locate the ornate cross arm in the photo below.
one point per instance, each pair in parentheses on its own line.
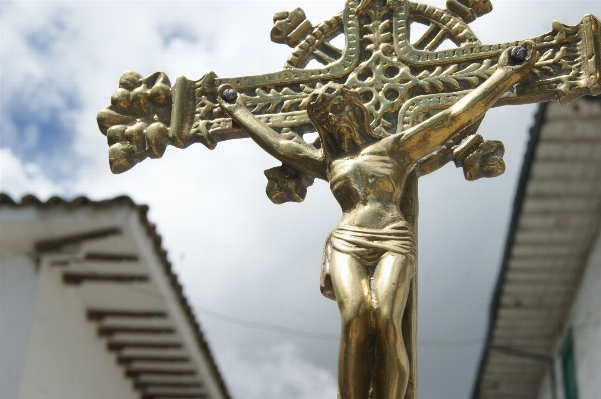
(146,115)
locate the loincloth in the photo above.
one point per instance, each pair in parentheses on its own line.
(367,246)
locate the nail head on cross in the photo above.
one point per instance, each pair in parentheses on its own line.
(229,95)
(519,54)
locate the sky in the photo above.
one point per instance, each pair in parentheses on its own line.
(251,268)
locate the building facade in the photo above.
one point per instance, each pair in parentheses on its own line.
(90,308)
(544,337)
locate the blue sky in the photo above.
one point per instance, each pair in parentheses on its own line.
(235,252)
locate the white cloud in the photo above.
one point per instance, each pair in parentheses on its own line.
(19,178)
(287,375)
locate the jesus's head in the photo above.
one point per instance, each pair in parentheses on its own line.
(340,119)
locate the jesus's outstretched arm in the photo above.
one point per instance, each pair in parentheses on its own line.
(303,157)
(429,135)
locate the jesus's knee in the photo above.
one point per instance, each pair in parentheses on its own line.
(387,320)
(355,317)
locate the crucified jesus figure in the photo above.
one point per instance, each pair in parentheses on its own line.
(369,258)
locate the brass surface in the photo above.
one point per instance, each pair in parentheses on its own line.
(387,110)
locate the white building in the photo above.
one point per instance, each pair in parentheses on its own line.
(89,307)
(544,338)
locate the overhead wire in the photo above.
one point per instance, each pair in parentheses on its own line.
(319,336)
(286,330)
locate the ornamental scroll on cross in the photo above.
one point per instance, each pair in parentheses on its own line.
(398,82)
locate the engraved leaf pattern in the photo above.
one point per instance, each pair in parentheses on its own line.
(264,102)
(451,77)
(558,58)
(379,36)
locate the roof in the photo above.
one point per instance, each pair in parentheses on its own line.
(123,251)
(556,218)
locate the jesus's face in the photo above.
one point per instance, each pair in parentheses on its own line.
(338,117)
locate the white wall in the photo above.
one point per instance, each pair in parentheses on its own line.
(65,358)
(17,294)
(585,321)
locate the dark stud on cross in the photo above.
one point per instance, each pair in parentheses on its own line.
(519,54)
(229,95)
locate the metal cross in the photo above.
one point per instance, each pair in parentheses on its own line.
(401,81)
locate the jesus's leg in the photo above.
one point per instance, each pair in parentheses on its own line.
(391,289)
(351,285)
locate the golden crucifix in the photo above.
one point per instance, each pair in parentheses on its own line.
(387,110)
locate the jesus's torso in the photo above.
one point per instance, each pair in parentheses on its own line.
(368,188)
